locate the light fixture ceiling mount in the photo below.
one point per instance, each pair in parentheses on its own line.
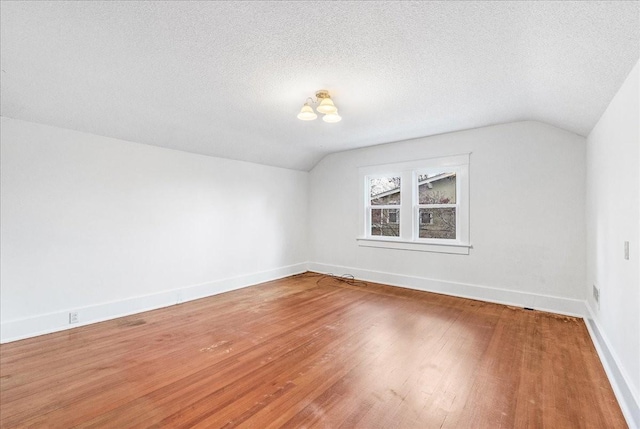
(325,106)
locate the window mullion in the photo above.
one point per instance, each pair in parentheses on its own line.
(406,203)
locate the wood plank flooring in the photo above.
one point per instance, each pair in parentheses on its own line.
(312,352)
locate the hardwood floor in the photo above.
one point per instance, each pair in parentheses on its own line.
(308,351)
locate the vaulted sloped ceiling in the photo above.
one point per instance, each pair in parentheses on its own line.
(228,78)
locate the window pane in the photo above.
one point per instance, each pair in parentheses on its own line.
(384,222)
(437,223)
(437,188)
(384,191)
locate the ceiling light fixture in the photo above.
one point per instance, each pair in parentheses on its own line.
(325,106)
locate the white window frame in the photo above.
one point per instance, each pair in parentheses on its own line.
(369,207)
(409,221)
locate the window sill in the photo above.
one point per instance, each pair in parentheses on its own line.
(390,243)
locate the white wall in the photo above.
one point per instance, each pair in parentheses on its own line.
(107,227)
(527,217)
(613,217)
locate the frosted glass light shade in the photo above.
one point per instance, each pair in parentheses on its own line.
(307,113)
(332,117)
(327,107)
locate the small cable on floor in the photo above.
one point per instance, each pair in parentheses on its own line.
(344,278)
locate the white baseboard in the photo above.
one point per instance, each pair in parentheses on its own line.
(618,377)
(14,330)
(554,304)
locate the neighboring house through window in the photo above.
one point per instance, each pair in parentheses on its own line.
(437,205)
(417,205)
(383,207)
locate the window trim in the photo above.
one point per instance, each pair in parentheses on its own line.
(409,221)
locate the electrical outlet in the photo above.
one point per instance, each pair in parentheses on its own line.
(73,317)
(596,295)
(626,250)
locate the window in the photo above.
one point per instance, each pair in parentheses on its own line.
(384,200)
(436,195)
(417,205)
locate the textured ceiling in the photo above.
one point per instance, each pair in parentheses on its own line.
(228,78)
